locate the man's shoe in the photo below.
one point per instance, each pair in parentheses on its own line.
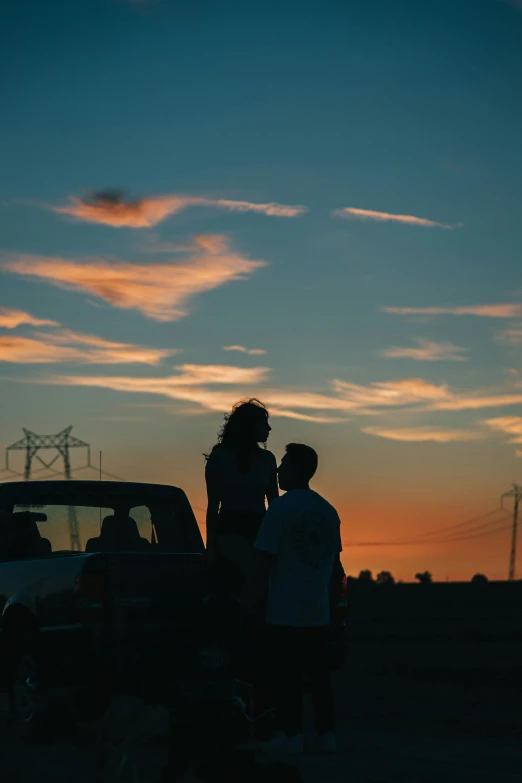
(282,743)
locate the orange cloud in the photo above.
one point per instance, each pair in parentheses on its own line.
(192,382)
(65,346)
(287,399)
(418,395)
(475,401)
(218,373)
(424,434)
(413,395)
(158,291)
(484,311)
(110,208)
(288,414)
(428,352)
(410,220)
(395,394)
(242,349)
(189,375)
(510,425)
(10,319)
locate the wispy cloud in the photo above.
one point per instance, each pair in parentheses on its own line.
(10,319)
(218,387)
(428,352)
(242,349)
(513,336)
(391,394)
(384,217)
(271,208)
(111,208)
(201,374)
(193,382)
(424,434)
(159,291)
(484,311)
(475,401)
(509,425)
(73,347)
(418,395)
(188,375)
(196,384)
(315,419)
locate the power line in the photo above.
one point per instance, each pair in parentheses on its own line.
(19,475)
(103,472)
(475,535)
(475,531)
(469,521)
(476,528)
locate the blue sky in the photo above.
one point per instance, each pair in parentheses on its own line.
(405,108)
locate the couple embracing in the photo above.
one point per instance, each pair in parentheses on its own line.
(295,544)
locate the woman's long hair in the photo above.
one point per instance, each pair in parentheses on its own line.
(238,432)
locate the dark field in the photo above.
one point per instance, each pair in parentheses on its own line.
(430,693)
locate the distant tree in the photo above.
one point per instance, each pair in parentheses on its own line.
(365,575)
(479,579)
(385,578)
(424,578)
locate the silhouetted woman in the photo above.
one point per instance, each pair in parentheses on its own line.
(241,477)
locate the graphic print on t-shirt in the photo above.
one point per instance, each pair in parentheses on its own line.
(312,539)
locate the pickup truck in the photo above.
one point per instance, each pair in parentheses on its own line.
(104,587)
(102,584)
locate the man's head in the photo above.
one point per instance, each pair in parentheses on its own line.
(297,467)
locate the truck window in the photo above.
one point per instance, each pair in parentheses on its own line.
(86,520)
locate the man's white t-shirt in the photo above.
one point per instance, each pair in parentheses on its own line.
(303,530)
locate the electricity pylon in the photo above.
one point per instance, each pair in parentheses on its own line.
(62,442)
(516,494)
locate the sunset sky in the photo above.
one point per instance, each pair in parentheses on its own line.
(318,204)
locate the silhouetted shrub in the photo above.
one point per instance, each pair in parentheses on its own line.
(385,578)
(424,578)
(479,579)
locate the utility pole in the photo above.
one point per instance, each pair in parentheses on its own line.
(516,494)
(62,442)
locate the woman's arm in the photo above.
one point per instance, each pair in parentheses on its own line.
(273,487)
(213,501)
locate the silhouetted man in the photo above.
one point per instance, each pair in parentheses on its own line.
(299,542)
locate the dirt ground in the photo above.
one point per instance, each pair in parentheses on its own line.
(415,723)
(365,756)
